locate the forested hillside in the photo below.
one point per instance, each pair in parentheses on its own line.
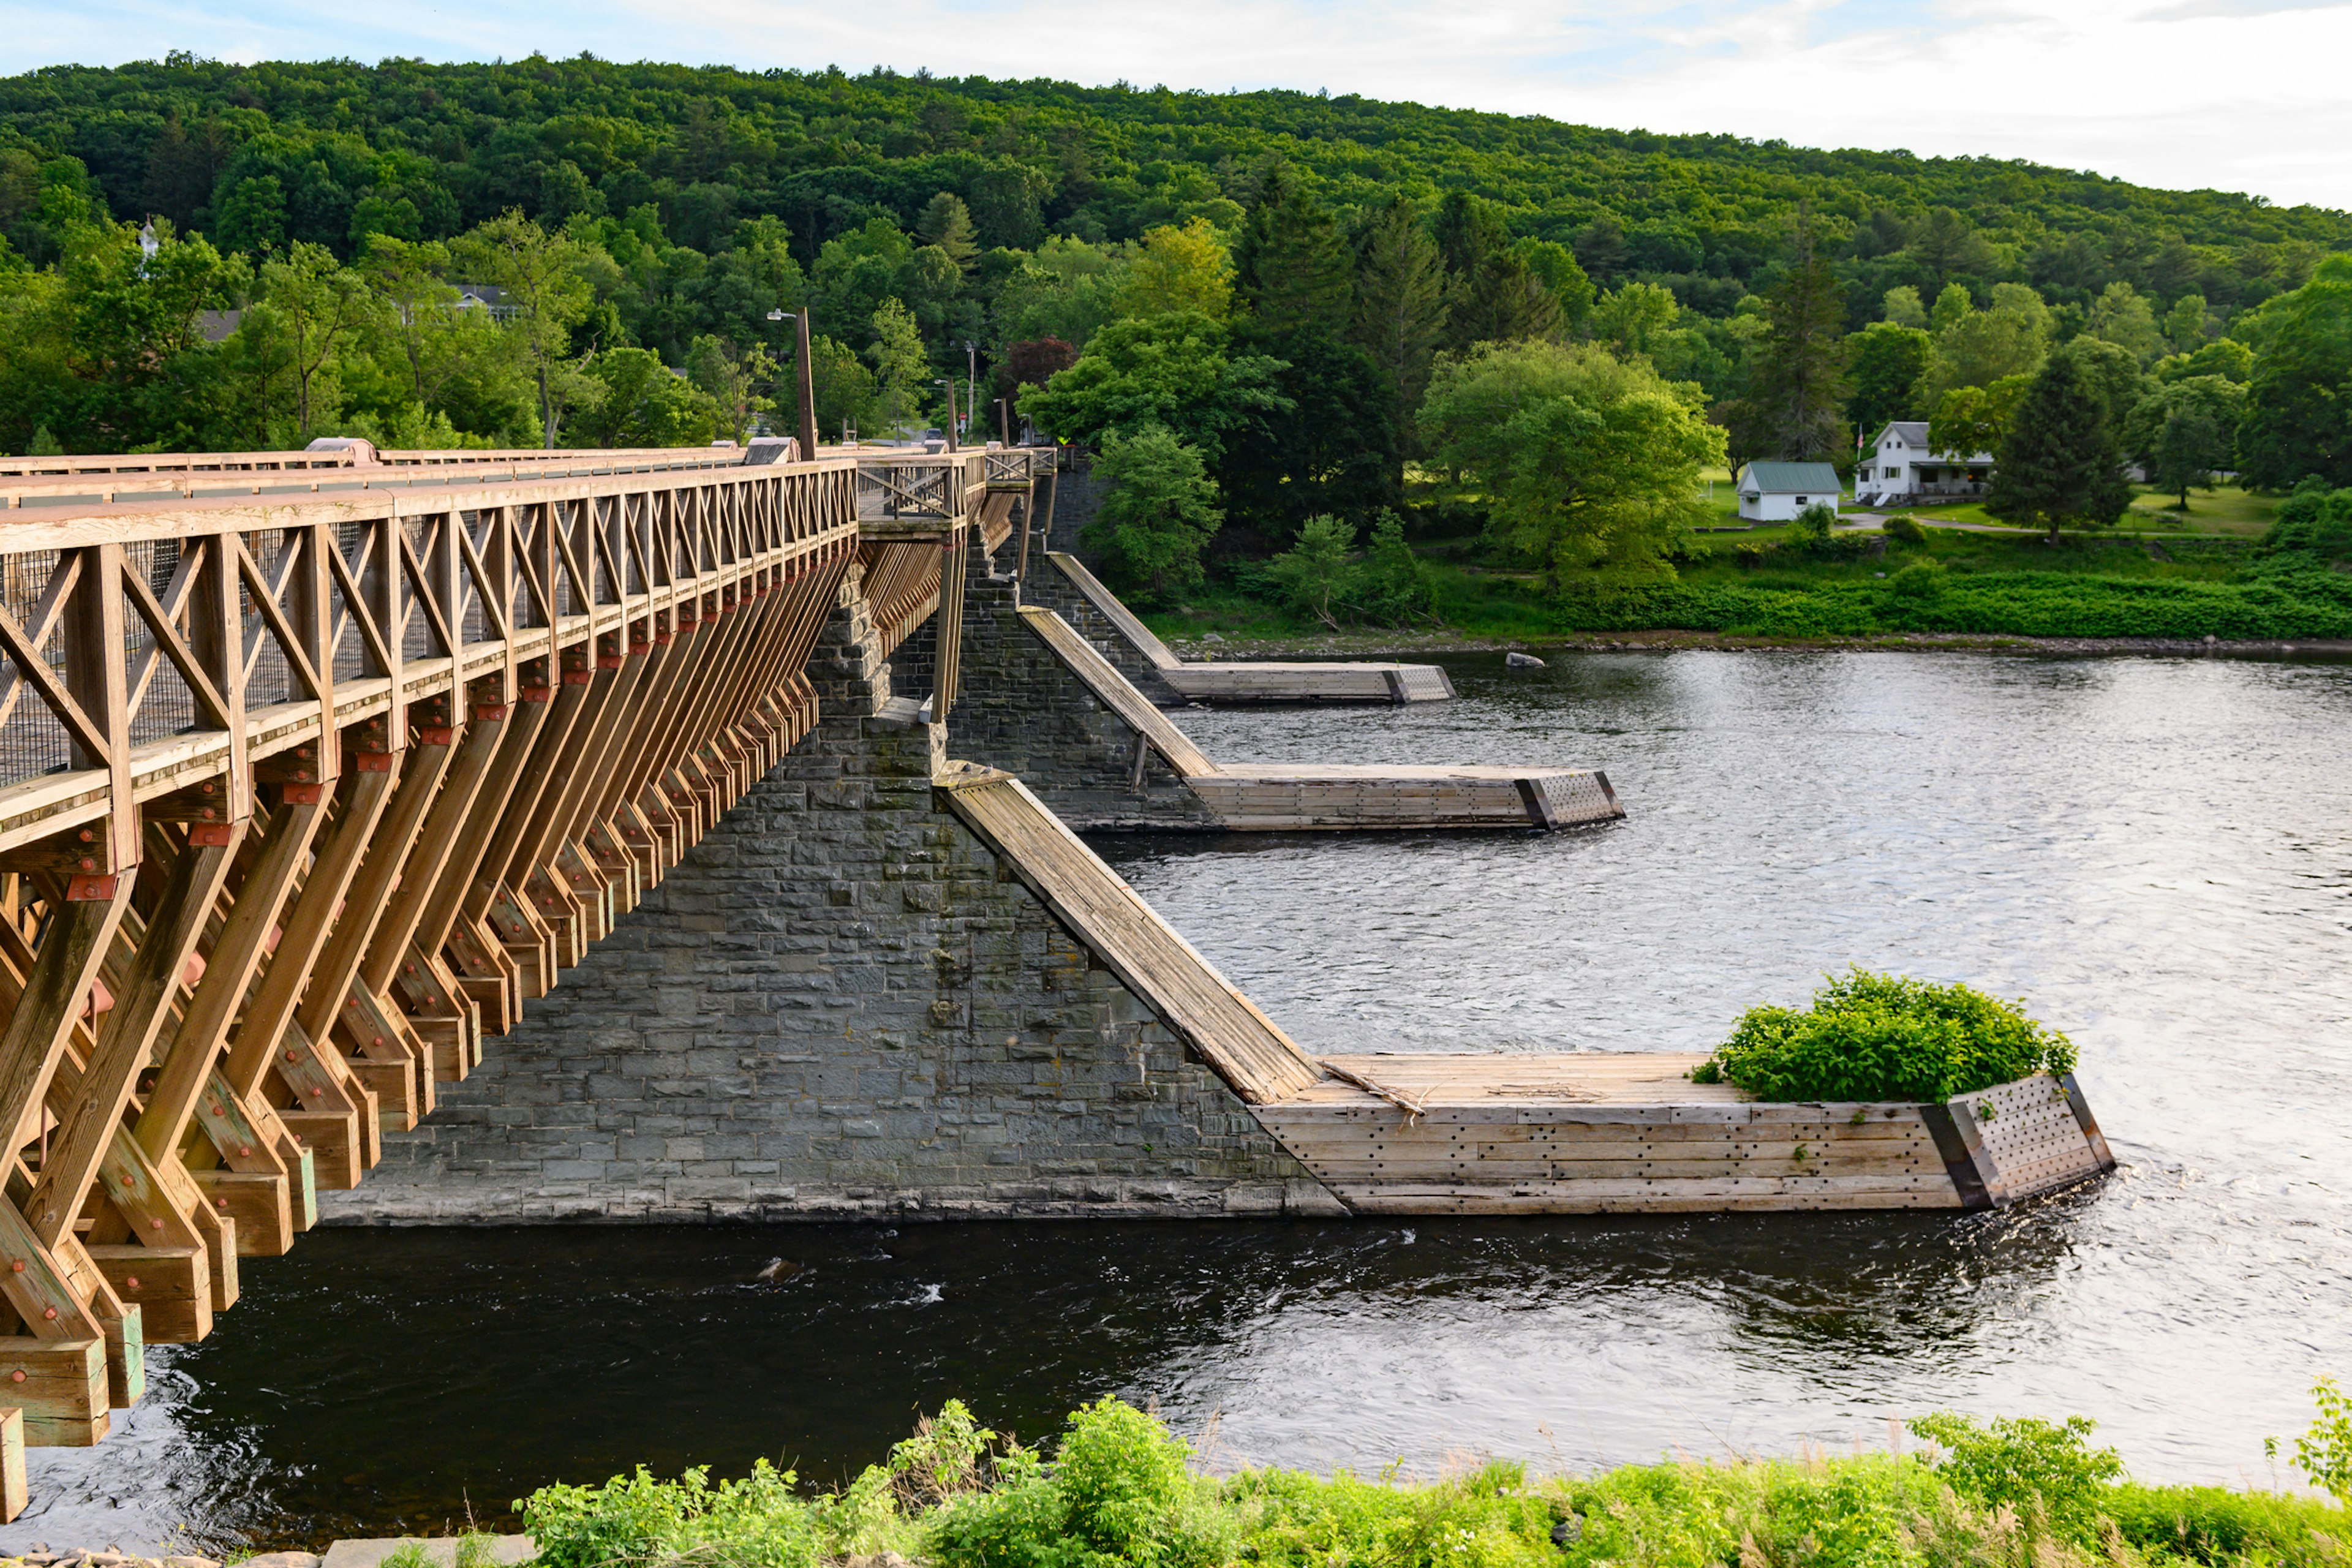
(1263,309)
(425,151)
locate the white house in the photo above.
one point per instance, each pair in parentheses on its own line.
(1904,470)
(1776,493)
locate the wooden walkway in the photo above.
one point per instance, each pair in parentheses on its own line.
(311,773)
(1246,680)
(1628,1132)
(1265,797)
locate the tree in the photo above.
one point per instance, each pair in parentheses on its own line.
(844,387)
(1180,269)
(1946,245)
(1492,295)
(1794,409)
(2123,316)
(1884,361)
(1319,573)
(539,273)
(320,305)
(1972,419)
(1592,461)
(1905,309)
(947,223)
(735,380)
(1159,511)
(1400,302)
(2298,419)
(1174,371)
(2184,324)
(1291,268)
(2188,446)
(2058,463)
(1635,317)
(1977,348)
(2182,431)
(902,371)
(645,404)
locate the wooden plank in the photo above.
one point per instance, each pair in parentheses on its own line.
(60,1386)
(1114,610)
(1102,679)
(13,1495)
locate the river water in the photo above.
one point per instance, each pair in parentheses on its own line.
(2155,854)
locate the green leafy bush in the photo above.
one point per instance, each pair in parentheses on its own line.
(2038,1468)
(2324,1454)
(759,1521)
(1920,580)
(1120,1492)
(1905,530)
(1882,1036)
(2211,1524)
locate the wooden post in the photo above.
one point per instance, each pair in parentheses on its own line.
(948,624)
(190,890)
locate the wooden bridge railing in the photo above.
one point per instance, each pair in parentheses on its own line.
(912,506)
(301,797)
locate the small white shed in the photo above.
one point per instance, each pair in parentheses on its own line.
(1776,492)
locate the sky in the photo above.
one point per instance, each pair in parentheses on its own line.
(2238,95)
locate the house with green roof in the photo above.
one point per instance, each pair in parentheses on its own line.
(1776,492)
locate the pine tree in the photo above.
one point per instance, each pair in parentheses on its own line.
(2060,462)
(1492,295)
(1795,404)
(947,223)
(1400,302)
(1291,268)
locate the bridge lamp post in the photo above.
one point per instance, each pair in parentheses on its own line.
(806,379)
(949,382)
(971,379)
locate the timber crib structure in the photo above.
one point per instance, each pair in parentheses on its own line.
(310,774)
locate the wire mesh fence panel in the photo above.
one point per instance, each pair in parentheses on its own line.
(33,741)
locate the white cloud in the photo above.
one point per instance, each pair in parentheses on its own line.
(2235,94)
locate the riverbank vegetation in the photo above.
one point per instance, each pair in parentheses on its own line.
(2289,582)
(1883,1036)
(1120,1491)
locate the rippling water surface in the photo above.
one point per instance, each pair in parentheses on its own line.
(2156,854)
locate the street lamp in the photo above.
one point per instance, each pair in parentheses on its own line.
(806,378)
(972,378)
(949,382)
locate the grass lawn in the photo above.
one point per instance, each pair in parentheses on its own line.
(2225,510)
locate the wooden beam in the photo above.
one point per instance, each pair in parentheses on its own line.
(129,1030)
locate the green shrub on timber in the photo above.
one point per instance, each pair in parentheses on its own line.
(1884,1037)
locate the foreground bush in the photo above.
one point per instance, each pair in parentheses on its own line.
(1883,1036)
(1119,1493)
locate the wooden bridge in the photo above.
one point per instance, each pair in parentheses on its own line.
(311,771)
(315,767)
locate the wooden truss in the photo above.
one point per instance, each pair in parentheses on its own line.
(304,790)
